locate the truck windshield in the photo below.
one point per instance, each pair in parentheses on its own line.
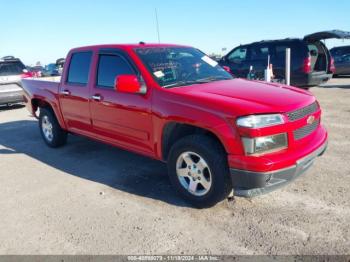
(180,66)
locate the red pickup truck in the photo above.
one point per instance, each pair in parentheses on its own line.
(173,103)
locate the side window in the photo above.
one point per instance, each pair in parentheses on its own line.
(79,68)
(239,55)
(336,52)
(298,50)
(110,66)
(259,52)
(281,51)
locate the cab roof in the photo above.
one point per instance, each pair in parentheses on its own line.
(127,46)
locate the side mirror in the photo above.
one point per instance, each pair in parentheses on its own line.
(129,84)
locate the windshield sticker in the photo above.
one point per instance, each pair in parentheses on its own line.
(159,74)
(209,61)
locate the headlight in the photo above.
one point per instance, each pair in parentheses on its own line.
(265,144)
(257,121)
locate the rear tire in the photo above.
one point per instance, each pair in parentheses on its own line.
(198,170)
(53,135)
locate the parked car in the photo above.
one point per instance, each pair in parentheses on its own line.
(341,55)
(50,70)
(60,63)
(37,70)
(175,104)
(11,72)
(311,61)
(339,51)
(215,57)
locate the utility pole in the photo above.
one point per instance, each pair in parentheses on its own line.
(157,24)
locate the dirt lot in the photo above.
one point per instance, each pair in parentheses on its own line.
(90,198)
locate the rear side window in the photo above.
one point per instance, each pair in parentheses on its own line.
(259,52)
(340,51)
(298,50)
(111,66)
(11,68)
(346,58)
(281,51)
(79,68)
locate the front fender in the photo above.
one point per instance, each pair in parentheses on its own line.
(168,109)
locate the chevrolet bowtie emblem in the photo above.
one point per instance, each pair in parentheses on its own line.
(310,120)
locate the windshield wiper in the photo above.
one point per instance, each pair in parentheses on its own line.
(198,81)
(182,83)
(212,78)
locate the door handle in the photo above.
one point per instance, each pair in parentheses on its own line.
(96,97)
(65,92)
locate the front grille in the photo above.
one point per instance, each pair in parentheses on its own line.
(305,130)
(301,113)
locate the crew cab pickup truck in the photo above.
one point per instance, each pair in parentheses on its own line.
(173,103)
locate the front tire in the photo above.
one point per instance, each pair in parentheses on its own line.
(198,170)
(53,135)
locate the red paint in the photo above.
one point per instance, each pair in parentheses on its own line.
(127,84)
(136,121)
(27,74)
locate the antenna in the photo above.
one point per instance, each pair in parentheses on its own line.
(157,24)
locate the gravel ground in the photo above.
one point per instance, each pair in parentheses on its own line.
(90,198)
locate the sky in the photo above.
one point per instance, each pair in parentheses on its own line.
(45,30)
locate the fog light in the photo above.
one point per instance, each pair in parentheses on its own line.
(265,144)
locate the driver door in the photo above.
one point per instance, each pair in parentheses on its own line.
(119,118)
(237,61)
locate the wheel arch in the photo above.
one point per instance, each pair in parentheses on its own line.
(173,131)
(37,103)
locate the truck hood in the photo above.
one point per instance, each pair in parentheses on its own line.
(240,97)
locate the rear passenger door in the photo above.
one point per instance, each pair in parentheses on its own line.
(74,92)
(278,60)
(259,58)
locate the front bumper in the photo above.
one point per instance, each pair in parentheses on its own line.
(250,184)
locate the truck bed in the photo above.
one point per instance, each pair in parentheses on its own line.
(45,89)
